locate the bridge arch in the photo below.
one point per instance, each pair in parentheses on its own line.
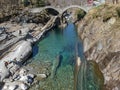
(74,6)
(39,10)
(52,8)
(59,10)
(80,15)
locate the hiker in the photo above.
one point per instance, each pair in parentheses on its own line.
(20,32)
(115,1)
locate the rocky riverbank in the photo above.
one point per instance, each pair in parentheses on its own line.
(16,39)
(100,33)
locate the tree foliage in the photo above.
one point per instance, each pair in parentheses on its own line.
(80,14)
(41,3)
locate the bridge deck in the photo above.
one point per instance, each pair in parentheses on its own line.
(60,10)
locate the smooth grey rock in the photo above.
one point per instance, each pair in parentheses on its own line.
(13,68)
(111,21)
(42,76)
(25,77)
(3,36)
(4,72)
(23,86)
(23,72)
(24,32)
(15,86)
(20,53)
(99,46)
(86,44)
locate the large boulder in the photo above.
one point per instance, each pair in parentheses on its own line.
(20,53)
(4,72)
(24,76)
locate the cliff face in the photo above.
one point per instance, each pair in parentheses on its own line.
(100,33)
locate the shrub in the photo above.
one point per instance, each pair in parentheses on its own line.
(40,3)
(118,11)
(80,14)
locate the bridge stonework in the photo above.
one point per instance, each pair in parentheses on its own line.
(65,3)
(60,10)
(62,5)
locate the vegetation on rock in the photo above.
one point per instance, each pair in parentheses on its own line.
(100,31)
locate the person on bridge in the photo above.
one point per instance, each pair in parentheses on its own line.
(115,1)
(90,2)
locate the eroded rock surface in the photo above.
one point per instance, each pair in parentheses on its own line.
(100,33)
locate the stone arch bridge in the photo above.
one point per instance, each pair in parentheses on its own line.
(59,10)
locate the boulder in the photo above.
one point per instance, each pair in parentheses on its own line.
(20,53)
(4,72)
(23,72)
(41,76)
(23,76)
(13,67)
(15,86)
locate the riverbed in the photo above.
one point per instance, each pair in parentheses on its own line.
(57,42)
(54,56)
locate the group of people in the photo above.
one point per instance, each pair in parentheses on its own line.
(115,1)
(102,1)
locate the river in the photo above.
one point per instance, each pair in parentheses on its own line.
(58,47)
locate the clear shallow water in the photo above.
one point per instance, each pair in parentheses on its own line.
(58,42)
(59,48)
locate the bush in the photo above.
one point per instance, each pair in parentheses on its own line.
(41,3)
(80,14)
(107,16)
(26,2)
(118,11)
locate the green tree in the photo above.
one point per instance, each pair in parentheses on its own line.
(80,14)
(40,3)
(25,2)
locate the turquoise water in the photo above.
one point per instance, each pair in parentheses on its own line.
(59,48)
(58,42)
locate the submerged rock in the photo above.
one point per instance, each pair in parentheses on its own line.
(41,76)
(89,77)
(56,64)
